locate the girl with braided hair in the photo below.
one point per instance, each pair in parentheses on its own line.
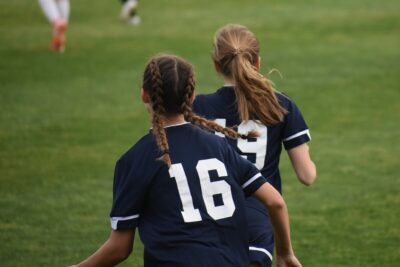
(249,101)
(184,188)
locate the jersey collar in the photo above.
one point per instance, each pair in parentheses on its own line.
(178,124)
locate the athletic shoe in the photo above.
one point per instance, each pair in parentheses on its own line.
(134,20)
(58,42)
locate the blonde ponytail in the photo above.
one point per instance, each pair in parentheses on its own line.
(236,53)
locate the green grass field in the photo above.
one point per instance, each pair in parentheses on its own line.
(66,118)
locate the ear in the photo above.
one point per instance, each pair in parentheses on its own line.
(145,96)
(257,64)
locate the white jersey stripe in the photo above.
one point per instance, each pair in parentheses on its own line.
(115,220)
(252,179)
(177,124)
(262,250)
(297,135)
(173,125)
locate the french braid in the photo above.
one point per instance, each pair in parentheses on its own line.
(159,113)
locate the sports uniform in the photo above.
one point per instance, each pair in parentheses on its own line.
(264,152)
(192,214)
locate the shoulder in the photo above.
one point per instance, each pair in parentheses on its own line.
(145,147)
(221,96)
(288,104)
(203,100)
(139,163)
(284,100)
(209,141)
(205,97)
(295,129)
(220,104)
(207,135)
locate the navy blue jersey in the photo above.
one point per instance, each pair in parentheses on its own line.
(265,150)
(193,213)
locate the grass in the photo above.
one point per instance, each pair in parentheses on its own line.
(65,119)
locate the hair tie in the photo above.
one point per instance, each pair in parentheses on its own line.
(237,51)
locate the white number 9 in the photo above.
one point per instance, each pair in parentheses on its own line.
(258,146)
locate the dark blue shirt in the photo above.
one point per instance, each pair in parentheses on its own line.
(264,151)
(193,213)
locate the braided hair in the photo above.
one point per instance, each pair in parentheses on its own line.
(169,81)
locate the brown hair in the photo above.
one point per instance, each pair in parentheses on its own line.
(169,81)
(236,51)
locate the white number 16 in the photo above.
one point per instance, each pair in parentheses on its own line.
(208,190)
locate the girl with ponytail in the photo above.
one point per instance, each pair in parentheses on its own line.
(184,187)
(249,102)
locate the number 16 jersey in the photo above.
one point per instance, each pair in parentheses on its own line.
(193,213)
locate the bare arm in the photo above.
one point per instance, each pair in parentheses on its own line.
(277,209)
(115,250)
(302,164)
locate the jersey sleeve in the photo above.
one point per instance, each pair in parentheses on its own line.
(245,173)
(128,197)
(295,130)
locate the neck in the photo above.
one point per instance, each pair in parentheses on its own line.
(229,82)
(174,119)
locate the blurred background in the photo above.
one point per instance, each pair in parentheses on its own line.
(65,118)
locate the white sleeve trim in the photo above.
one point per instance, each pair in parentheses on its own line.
(263,251)
(297,135)
(252,179)
(115,220)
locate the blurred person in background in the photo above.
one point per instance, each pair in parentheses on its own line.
(57,12)
(129,13)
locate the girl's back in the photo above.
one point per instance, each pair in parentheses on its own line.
(264,151)
(188,215)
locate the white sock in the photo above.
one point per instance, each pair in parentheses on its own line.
(129,5)
(50,9)
(63,8)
